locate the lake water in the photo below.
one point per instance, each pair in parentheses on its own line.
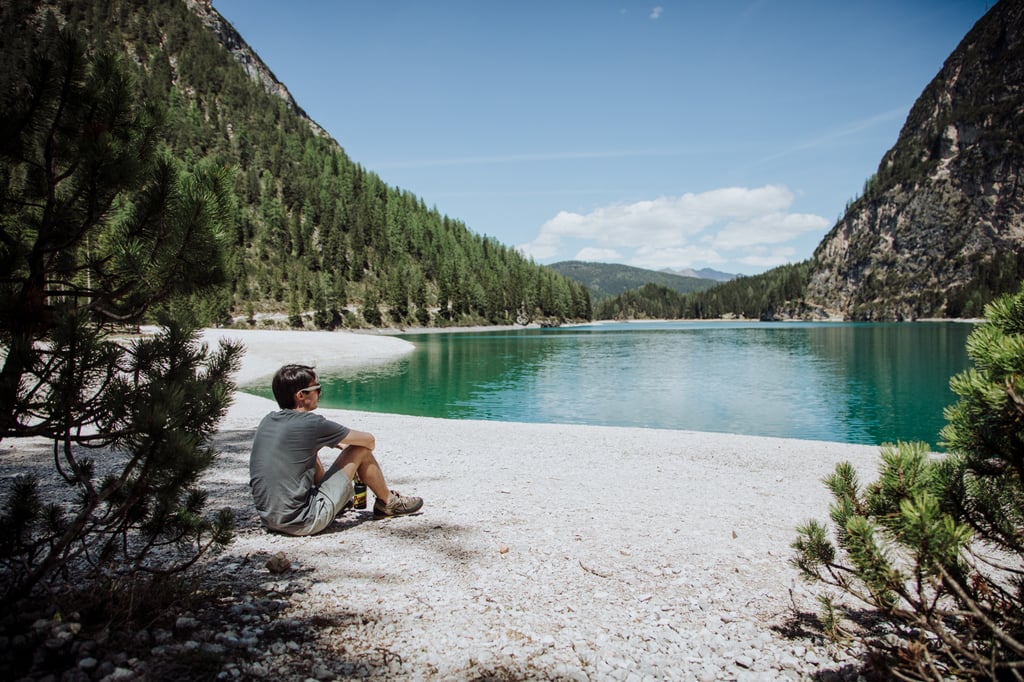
(853,383)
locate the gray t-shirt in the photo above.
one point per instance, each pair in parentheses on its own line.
(283,463)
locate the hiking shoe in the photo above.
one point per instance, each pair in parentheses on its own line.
(399,504)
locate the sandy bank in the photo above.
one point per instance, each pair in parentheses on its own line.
(266,350)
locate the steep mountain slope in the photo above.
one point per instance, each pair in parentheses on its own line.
(313,237)
(605,280)
(940,227)
(247,58)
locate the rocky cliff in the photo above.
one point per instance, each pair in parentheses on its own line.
(942,221)
(254,67)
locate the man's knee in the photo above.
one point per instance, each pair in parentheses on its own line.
(358,453)
(352,458)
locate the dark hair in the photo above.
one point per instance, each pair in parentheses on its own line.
(288,381)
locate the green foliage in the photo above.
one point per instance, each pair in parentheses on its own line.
(935,544)
(986,428)
(996,275)
(137,493)
(99,227)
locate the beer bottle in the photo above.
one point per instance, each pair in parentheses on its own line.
(359,498)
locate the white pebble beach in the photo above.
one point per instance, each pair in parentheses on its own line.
(545,551)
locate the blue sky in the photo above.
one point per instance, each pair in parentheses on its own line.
(716,134)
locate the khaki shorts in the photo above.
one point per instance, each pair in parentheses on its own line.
(336,490)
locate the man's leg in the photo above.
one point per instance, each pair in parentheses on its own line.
(333,493)
(356,459)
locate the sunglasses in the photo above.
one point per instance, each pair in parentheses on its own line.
(310,389)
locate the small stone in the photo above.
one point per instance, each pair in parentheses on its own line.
(88,663)
(119,674)
(279,563)
(185,623)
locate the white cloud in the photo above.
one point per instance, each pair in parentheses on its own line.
(733,224)
(541,248)
(773,228)
(599,255)
(768,258)
(656,12)
(659,259)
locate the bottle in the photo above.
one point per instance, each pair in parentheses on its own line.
(359,498)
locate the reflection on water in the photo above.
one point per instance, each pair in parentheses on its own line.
(857,383)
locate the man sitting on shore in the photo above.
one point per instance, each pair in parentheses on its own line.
(292,491)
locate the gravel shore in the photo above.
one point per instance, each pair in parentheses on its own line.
(542,552)
(549,551)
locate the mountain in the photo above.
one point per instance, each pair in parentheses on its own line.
(247,58)
(703,273)
(313,238)
(939,229)
(606,280)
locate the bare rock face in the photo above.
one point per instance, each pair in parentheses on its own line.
(254,67)
(944,214)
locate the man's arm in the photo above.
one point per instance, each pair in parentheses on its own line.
(361,438)
(318,475)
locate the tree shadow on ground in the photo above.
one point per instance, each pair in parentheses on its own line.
(808,626)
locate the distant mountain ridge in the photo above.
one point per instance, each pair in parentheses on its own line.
(607,280)
(703,273)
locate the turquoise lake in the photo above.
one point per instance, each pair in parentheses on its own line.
(852,383)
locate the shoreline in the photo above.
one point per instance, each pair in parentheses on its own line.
(266,350)
(395,331)
(543,551)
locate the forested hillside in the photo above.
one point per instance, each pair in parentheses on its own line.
(313,236)
(772,295)
(606,280)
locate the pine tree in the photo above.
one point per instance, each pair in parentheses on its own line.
(97,230)
(935,544)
